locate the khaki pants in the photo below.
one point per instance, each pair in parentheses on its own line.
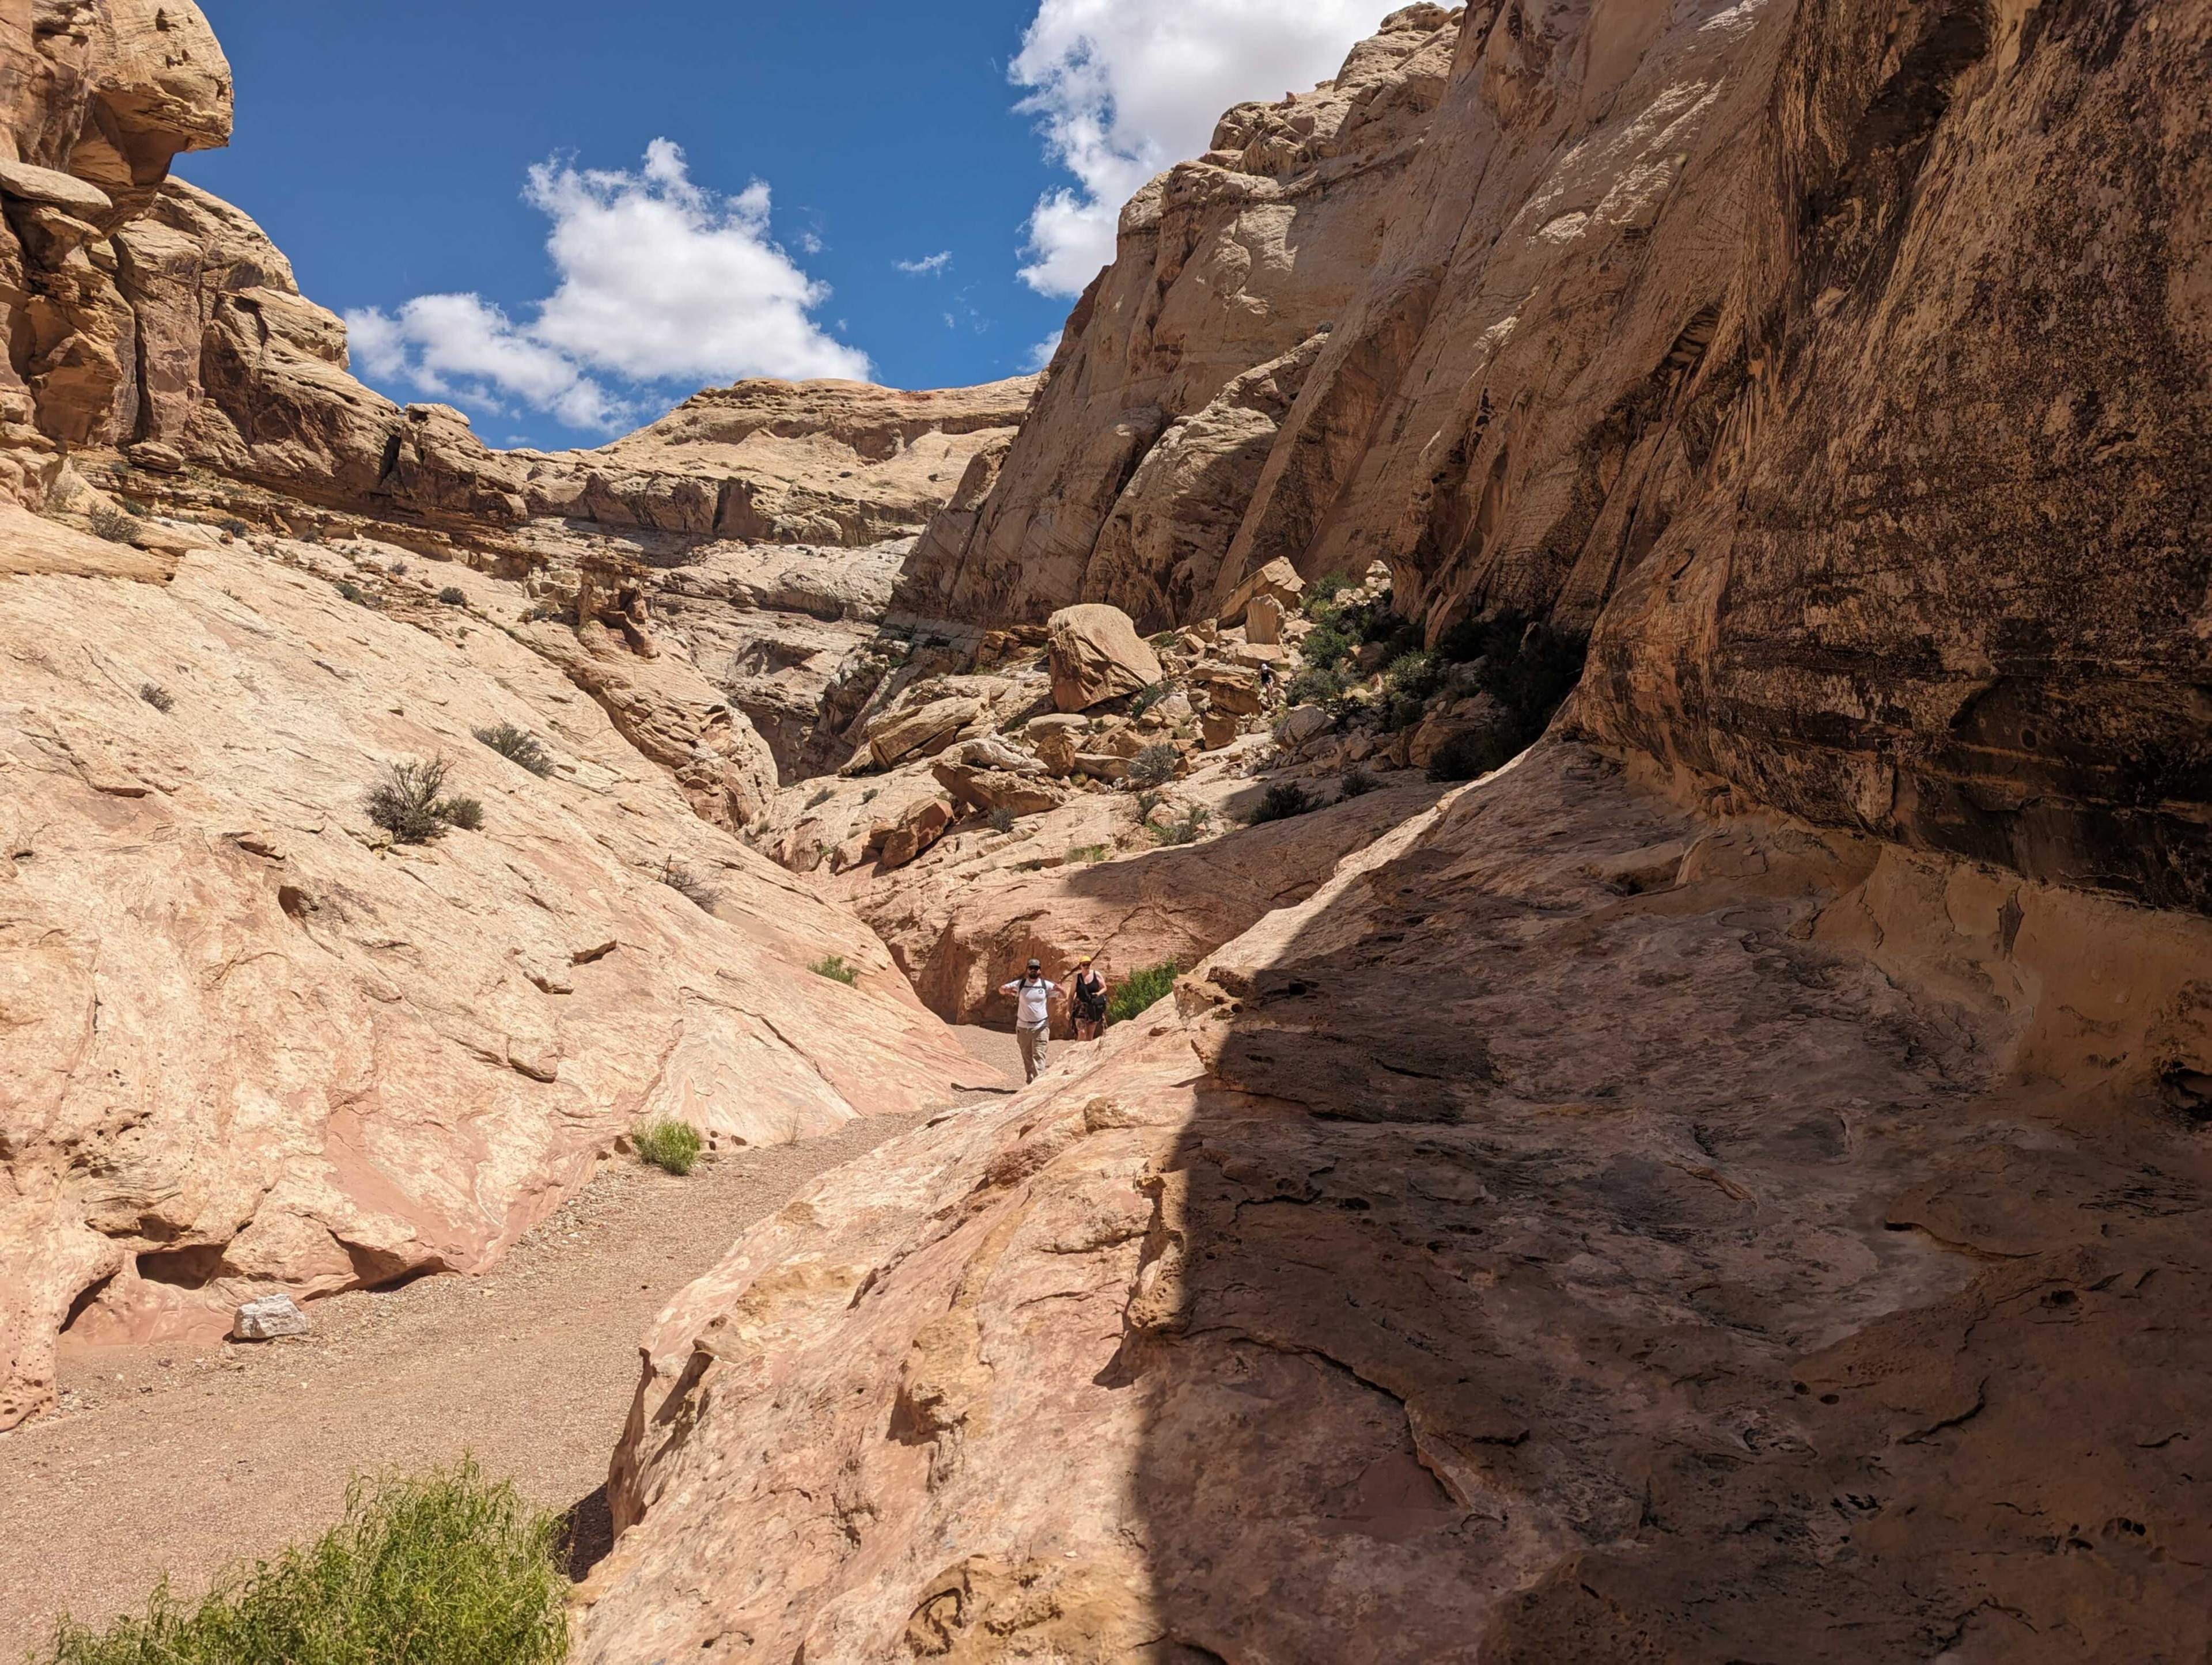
(1034,1044)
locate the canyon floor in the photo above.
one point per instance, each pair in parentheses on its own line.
(176,1460)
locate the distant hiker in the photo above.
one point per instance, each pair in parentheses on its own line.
(1090,1001)
(1033,1019)
(1266,681)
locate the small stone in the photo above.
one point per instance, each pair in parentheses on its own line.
(268,1317)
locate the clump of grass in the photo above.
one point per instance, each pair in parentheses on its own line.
(517,745)
(453,596)
(669,1145)
(157,696)
(352,591)
(821,797)
(1189,829)
(111,523)
(1086,852)
(411,803)
(1281,802)
(836,970)
(1355,782)
(1156,765)
(694,889)
(440,1568)
(1139,991)
(1000,820)
(1147,801)
(1145,698)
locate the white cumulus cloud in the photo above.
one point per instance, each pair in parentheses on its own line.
(660,280)
(1122,89)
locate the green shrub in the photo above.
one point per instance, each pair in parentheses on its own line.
(1326,648)
(1156,765)
(1355,782)
(700,892)
(453,596)
(442,1568)
(410,803)
(669,1145)
(1316,687)
(517,745)
(1320,600)
(1145,698)
(1281,802)
(1086,852)
(1139,991)
(352,591)
(836,970)
(1414,676)
(157,696)
(1188,829)
(1527,669)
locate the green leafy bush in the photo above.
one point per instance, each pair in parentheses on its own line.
(1326,648)
(669,1145)
(1414,676)
(1281,802)
(1320,600)
(1156,765)
(411,803)
(441,1569)
(1139,991)
(1189,829)
(836,970)
(517,745)
(1316,687)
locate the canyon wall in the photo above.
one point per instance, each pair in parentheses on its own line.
(1840,369)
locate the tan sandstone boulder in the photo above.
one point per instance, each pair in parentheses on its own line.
(901,734)
(1097,655)
(917,828)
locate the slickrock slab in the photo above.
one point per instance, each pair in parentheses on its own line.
(1580,1231)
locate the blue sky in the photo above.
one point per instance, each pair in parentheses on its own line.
(721,187)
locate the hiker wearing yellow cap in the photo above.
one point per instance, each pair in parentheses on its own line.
(1090,1001)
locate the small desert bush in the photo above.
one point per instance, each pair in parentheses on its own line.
(1414,676)
(1080,853)
(1000,820)
(1281,802)
(1355,782)
(440,1568)
(1145,698)
(156,696)
(693,888)
(453,596)
(411,803)
(836,970)
(111,523)
(669,1145)
(349,591)
(1320,603)
(1187,829)
(1139,991)
(1156,765)
(1326,648)
(1317,686)
(517,745)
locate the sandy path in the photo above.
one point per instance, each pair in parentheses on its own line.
(163,1458)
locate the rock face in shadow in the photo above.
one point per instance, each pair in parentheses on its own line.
(1584,1230)
(1842,367)
(251,1043)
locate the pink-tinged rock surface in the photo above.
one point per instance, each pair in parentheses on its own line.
(248,1044)
(1585,1229)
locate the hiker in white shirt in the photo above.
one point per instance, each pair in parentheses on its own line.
(1033,1022)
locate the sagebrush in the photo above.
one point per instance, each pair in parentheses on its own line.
(835,970)
(701,892)
(1156,765)
(517,745)
(157,696)
(411,805)
(1281,801)
(440,1568)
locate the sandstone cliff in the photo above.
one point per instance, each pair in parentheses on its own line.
(1840,367)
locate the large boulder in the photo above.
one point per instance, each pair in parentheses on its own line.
(901,734)
(1231,688)
(1056,740)
(1097,655)
(1279,581)
(917,827)
(988,789)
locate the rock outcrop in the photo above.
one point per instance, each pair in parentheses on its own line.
(251,1044)
(1097,655)
(1684,327)
(1743,1237)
